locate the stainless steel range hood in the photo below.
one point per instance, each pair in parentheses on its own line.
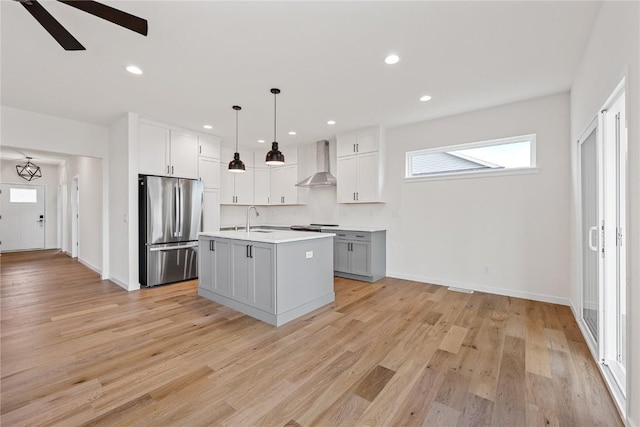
(322,178)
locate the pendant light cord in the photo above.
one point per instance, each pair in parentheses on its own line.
(236,131)
(275,115)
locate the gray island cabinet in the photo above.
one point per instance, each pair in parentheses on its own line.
(274,276)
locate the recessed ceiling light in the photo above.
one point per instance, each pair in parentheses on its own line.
(425,98)
(261,141)
(392,59)
(207,127)
(331,122)
(134,70)
(292,132)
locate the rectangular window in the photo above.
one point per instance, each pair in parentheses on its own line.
(515,153)
(23,195)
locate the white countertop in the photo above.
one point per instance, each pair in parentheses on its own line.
(339,227)
(270,236)
(354,228)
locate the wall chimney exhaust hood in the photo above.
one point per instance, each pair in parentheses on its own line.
(322,178)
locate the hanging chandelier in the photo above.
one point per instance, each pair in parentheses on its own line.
(28,170)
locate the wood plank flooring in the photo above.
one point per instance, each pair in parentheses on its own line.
(76,350)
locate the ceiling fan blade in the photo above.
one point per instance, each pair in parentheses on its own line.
(49,23)
(110,14)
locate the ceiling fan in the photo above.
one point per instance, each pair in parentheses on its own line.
(64,37)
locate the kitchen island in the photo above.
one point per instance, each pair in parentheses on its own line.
(273,275)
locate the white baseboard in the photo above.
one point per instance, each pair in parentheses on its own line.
(480,288)
(90,266)
(119,283)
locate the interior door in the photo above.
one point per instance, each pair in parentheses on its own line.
(590,231)
(22,220)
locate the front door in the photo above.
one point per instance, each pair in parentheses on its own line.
(22,221)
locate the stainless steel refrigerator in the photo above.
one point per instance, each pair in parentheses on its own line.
(170,213)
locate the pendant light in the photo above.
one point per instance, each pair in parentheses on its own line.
(28,170)
(236,164)
(275,156)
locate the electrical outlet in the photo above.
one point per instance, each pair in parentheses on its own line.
(309,254)
(486,269)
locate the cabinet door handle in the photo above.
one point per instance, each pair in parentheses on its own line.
(354,196)
(171,170)
(358,235)
(341,235)
(251,251)
(247,251)
(354,148)
(199,149)
(167,169)
(357,196)
(213,245)
(357,148)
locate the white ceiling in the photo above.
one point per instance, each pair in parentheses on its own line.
(202,57)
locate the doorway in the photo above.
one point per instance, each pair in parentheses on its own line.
(602,160)
(22,220)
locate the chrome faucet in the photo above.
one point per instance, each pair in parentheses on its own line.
(248,227)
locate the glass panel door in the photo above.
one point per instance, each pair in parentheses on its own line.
(590,231)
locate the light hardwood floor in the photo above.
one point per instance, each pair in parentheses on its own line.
(77,350)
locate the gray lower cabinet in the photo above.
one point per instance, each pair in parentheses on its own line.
(215,273)
(360,255)
(253,268)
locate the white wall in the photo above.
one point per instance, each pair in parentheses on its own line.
(447,231)
(613,52)
(119,204)
(50,181)
(89,173)
(36,131)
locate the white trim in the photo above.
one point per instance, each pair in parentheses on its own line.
(89,266)
(75,216)
(482,173)
(481,288)
(119,283)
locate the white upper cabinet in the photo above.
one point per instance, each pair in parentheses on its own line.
(262,186)
(153,157)
(283,185)
(209,172)
(167,152)
(360,166)
(209,161)
(365,141)
(209,147)
(183,155)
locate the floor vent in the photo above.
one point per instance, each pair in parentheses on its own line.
(464,291)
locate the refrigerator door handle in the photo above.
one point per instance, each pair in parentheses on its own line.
(180,210)
(176,211)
